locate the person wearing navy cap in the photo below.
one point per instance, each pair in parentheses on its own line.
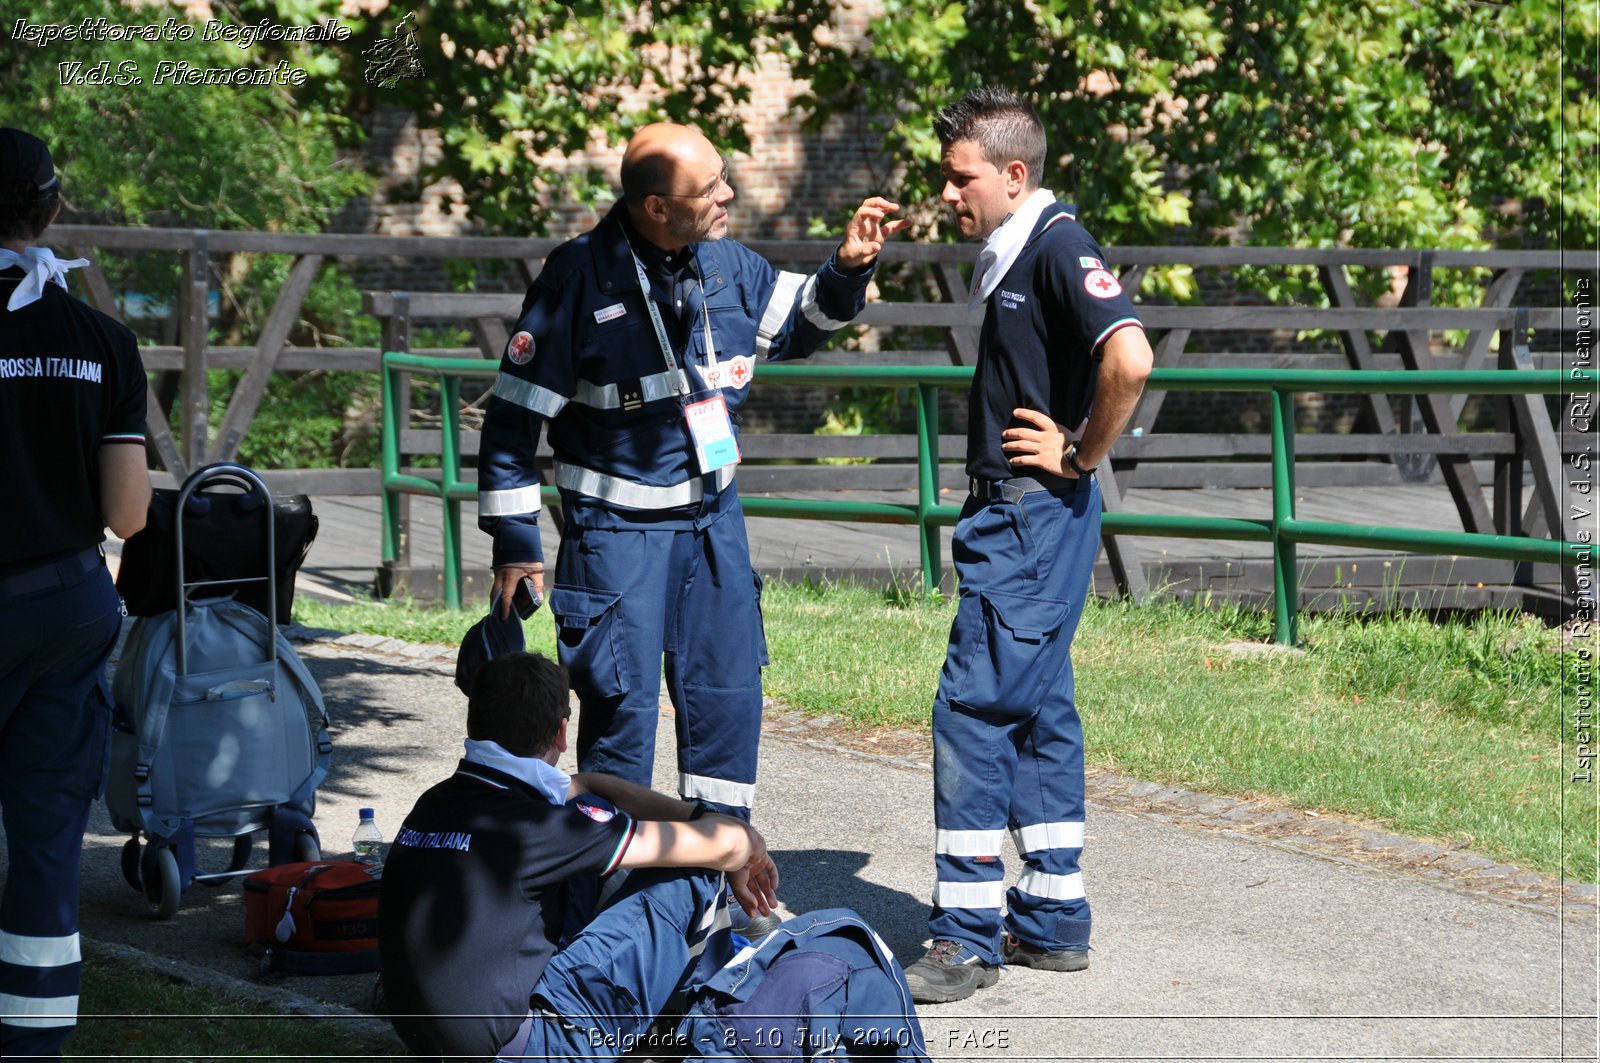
(72,413)
(1062,359)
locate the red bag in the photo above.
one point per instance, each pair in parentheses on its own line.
(315,918)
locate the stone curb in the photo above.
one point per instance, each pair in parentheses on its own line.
(1441,863)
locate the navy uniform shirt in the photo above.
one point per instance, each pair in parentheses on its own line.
(70,380)
(585,360)
(474,893)
(1043,331)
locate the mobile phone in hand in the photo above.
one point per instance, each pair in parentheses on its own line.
(525,601)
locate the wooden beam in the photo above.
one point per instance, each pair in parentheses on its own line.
(1502,290)
(1357,349)
(253,387)
(810,252)
(1435,409)
(960,340)
(197,325)
(1127,567)
(492,337)
(1538,438)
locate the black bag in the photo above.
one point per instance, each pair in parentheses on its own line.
(224,537)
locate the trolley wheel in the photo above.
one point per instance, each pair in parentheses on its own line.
(161,896)
(306,848)
(130,864)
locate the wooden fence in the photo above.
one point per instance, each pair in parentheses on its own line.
(1525,444)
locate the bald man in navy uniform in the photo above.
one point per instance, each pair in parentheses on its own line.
(636,348)
(72,412)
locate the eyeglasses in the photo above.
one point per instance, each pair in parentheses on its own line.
(709,195)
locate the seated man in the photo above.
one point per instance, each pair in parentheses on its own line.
(493,941)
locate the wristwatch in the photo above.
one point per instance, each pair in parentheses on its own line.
(1072,461)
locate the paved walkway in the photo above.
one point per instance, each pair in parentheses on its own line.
(1224,929)
(347,550)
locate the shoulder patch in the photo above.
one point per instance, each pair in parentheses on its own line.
(520,349)
(1101,285)
(595,809)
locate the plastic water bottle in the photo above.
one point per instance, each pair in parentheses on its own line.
(367,841)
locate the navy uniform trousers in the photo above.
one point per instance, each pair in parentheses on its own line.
(661,934)
(55,719)
(1008,746)
(625,597)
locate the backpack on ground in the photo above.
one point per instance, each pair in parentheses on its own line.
(821,986)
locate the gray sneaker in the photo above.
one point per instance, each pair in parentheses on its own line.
(949,971)
(1019,953)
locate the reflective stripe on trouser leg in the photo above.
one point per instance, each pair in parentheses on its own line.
(665,931)
(56,720)
(714,652)
(973,763)
(615,662)
(1047,906)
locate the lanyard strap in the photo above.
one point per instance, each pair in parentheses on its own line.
(680,379)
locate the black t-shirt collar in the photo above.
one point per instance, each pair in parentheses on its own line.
(657,261)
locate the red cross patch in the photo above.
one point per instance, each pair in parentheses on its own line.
(1101,284)
(520,349)
(740,370)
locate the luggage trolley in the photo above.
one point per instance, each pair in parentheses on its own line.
(219,730)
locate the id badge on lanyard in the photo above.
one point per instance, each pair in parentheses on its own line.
(712,430)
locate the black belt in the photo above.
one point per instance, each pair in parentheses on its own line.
(1013,489)
(62,573)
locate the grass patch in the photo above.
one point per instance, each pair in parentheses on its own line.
(401,618)
(126,1013)
(1450,730)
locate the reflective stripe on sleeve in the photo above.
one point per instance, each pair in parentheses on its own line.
(969,894)
(622,492)
(1052,887)
(514,501)
(1037,837)
(38,1012)
(813,313)
(968,842)
(605,396)
(722,791)
(777,309)
(21,950)
(528,396)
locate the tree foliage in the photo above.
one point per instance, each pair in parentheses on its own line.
(509,84)
(1444,123)
(1363,122)
(1310,122)
(217,156)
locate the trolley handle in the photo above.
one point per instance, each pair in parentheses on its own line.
(246,478)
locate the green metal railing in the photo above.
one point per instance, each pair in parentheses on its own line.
(1284,531)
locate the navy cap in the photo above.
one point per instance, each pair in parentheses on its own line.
(24,157)
(489,638)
